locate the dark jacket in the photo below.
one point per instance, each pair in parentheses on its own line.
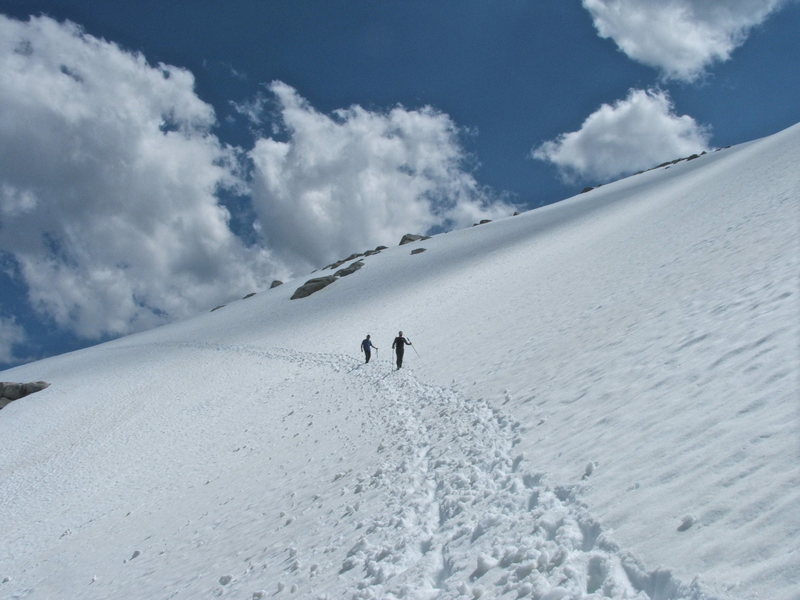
(399,343)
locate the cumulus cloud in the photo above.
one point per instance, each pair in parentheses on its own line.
(109,176)
(679,37)
(356,178)
(621,138)
(11,334)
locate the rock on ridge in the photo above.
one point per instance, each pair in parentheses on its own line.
(10,391)
(412,237)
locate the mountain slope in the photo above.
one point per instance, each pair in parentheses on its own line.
(603,404)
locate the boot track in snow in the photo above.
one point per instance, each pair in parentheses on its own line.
(461,517)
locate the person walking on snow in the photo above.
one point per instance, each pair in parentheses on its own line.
(399,345)
(365,347)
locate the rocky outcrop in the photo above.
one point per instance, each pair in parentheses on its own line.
(669,163)
(275,283)
(348,270)
(250,295)
(313,285)
(10,391)
(412,237)
(316,284)
(418,250)
(339,263)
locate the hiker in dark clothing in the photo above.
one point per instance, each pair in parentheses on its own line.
(399,345)
(365,347)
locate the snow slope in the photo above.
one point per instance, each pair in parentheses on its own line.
(604,404)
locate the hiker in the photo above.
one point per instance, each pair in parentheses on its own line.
(399,345)
(365,347)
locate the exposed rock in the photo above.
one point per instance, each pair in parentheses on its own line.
(250,295)
(349,269)
(217,307)
(375,251)
(313,285)
(10,391)
(275,283)
(316,284)
(334,265)
(34,386)
(412,237)
(418,250)
(588,188)
(516,212)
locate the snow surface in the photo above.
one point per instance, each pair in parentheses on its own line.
(601,402)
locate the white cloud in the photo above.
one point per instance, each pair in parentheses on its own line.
(356,178)
(108,183)
(11,334)
(632,134)
(679,37)
(110,178)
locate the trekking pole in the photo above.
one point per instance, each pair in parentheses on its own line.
(414,349)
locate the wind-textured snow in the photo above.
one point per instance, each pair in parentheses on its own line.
(601,402)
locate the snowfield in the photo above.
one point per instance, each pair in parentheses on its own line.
(602,401)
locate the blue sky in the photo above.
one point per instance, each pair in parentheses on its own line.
(158,158)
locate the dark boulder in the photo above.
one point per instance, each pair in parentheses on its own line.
(412,237)
(250,295)
(10,391)
(418,250)
(352,268)
(339,263)
(34,386)
(313,285)
(334,265)
(377,250)
(275,284)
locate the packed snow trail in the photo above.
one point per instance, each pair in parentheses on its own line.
(450,512)
(281,473)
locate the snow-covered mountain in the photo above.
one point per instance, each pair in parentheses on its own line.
(601,402)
